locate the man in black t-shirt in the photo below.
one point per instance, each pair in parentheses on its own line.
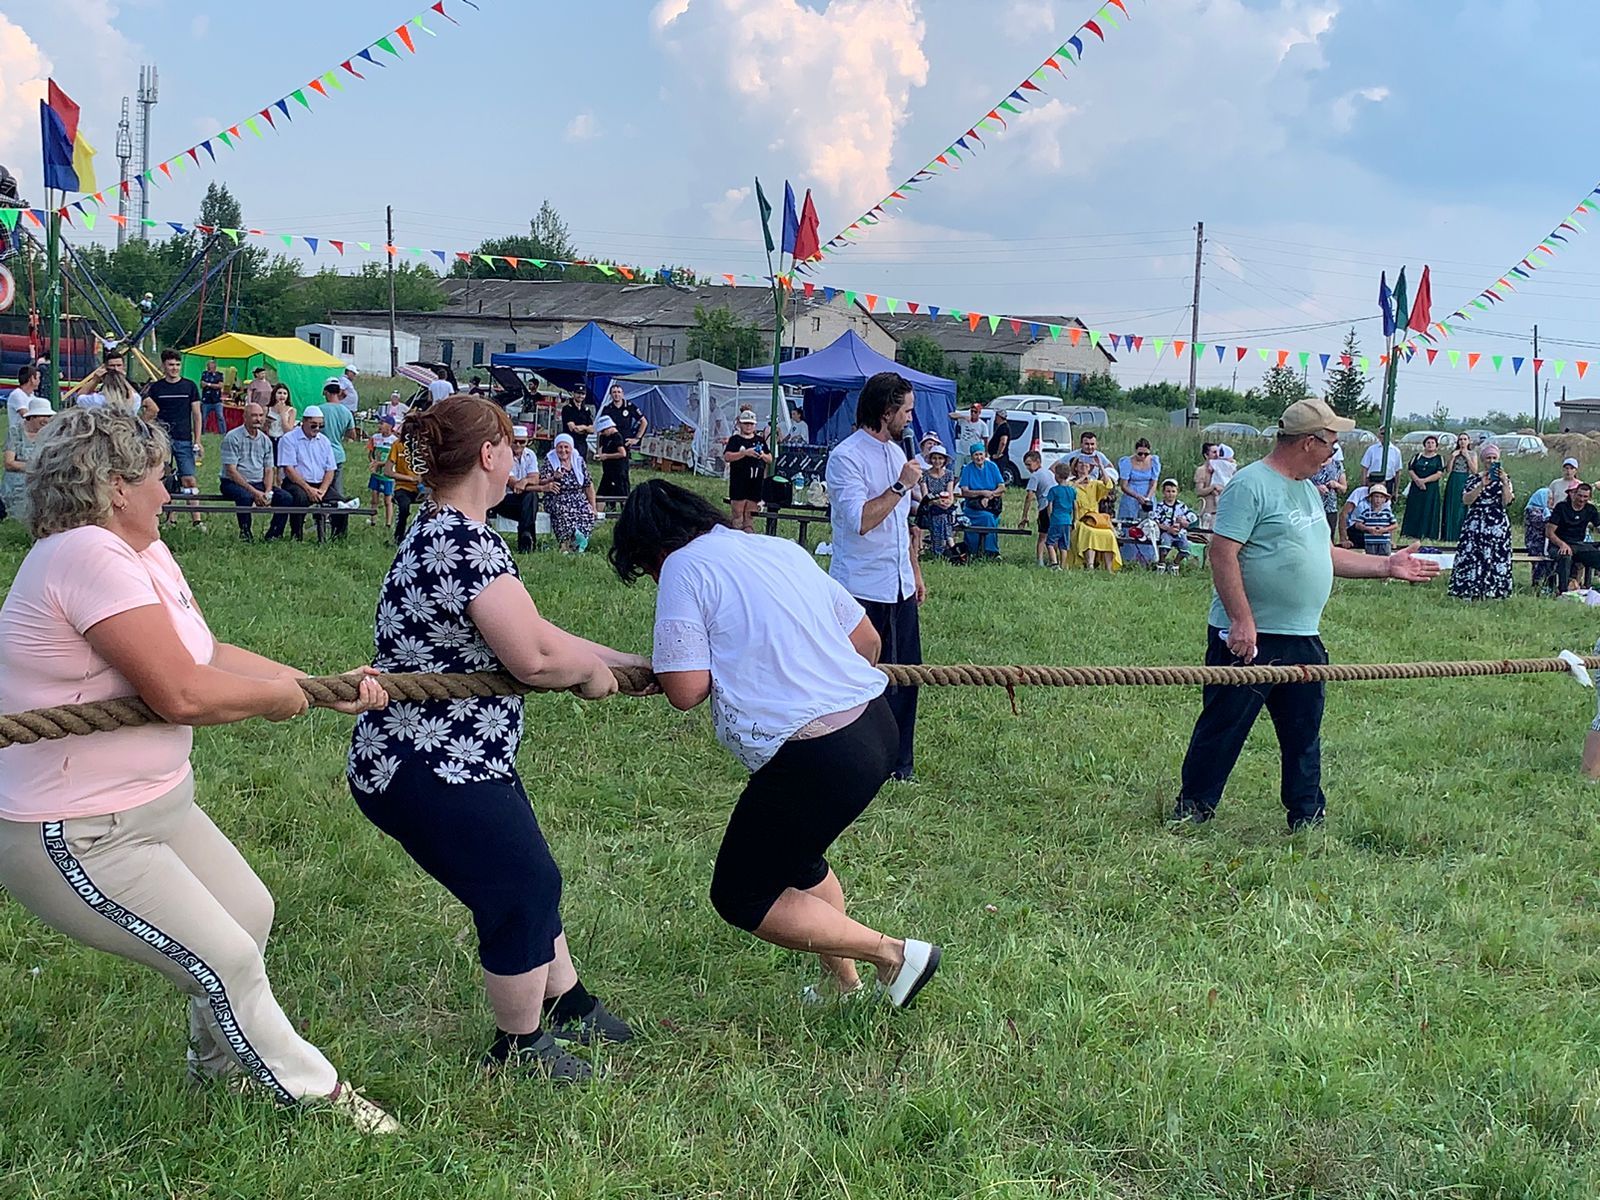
(177,402)
(577,418)
(632,424)
(1565,530)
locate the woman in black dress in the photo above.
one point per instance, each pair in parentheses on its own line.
(747,457)
(1482,568)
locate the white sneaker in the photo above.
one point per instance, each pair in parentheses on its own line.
(363,1113)
(921,961)
(349,504)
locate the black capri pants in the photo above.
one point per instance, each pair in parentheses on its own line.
(483,843)
(792,810)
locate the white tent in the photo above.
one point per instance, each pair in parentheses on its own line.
(703,397)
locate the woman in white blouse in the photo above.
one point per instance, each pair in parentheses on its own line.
(785,656)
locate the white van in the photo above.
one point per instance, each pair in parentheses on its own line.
(1049,432)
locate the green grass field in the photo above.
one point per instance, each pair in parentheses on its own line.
(1400,1005)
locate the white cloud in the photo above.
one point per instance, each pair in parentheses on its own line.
(1344,108)
(1306,28)
(199,25)
(1040,129)
(1030,20)
(23,71)
(583,127)
(836,81)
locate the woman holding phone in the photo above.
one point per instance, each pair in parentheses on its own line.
(1482,568)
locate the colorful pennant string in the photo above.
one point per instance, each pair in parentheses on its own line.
(324,85)
(1069,54)
(1539,256)
(1120,342)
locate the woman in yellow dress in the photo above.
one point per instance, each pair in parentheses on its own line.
(1093,539)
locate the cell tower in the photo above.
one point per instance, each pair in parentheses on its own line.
(124,157)
(147,104)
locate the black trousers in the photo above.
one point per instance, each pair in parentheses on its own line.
(523,508)
(293,494)
(244,499)
(615,478)
(1229,713)
(1586,554)
(897,624)
(404,498)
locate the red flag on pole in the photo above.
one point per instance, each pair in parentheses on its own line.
(805,241)
(1422,305)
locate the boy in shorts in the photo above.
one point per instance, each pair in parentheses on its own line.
(1056,514)
(1040,481)
(380,483)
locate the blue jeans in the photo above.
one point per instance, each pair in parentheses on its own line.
(1229,712)
(207,408)
(183,457)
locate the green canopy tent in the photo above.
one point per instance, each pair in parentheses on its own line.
(288,360)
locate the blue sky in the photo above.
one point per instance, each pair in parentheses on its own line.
(1318,139)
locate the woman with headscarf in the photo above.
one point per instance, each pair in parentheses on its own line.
(1534,518)
(1093,538)
(570,498)
(102,838)
(612,455)
(1461,464)
(787,659)
(983,490)
(1482,569)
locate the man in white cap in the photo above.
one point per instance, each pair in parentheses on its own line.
(521,501)
(307,476)
(1272,569)
(1569,480)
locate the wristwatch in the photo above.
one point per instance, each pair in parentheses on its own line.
(898,488)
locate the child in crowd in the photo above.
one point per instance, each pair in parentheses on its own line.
(936,509)
(1055,514)
(1222,467)
(1174,518)
(1375,519)
(1040,481)
(380,483)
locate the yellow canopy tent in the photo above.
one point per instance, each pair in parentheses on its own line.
(288,360)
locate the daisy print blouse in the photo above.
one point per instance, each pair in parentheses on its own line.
(443,563)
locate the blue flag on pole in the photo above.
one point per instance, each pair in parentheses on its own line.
(1386,304)
(791,219)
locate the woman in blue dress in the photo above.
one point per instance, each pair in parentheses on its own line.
(1139,473)
(982,490)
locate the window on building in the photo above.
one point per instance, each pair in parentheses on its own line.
(447,351)
(816,324)
(511,347)
(477,354)
(347,343)
(315,339)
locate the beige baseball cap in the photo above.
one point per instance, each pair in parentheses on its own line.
(1313,416)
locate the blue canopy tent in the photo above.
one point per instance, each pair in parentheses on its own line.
(588,357)
(833,378)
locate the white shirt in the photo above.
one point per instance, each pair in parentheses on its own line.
(1040,483)
(311,456)
(526,464)
(967,432)
(875,565)
(1374,455)
(1353,501)
(771,627)
(439,389)
(348,390)
(16,402)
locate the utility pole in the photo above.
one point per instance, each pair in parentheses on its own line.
(394,348)
(124,157)
(148,95)
(1192,417)
(1537,424)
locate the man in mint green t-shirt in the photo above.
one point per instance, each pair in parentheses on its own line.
(1273,566)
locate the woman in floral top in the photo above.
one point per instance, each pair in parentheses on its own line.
(439,776)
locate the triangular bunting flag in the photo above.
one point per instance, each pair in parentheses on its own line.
(1582,365)
(1455,357)
(1472,360)
(1074,333)
(1177,348)
(972,321)
(1432,354)
(1305,360)
(1516,364)
(1240,352)
(1498,360)
(1323,358)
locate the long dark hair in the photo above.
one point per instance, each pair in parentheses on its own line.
(659,517)
(883,392)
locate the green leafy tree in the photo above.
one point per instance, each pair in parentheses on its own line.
(1099,389)
(983,380)
(922,353)
(1347,384)
(1280,387)
(717,337)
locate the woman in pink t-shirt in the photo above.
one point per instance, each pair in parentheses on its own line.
(100,836)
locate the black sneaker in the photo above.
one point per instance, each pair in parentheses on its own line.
(598,1025)
(541,1057)
(1314,821)
(1187,812)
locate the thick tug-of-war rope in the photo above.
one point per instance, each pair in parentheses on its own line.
(48,724)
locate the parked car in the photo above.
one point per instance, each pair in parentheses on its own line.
(1233,429)
(1479,436)
(1359,437)
(1520,443)
(1052,433)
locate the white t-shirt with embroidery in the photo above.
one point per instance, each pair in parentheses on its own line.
(772,628)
